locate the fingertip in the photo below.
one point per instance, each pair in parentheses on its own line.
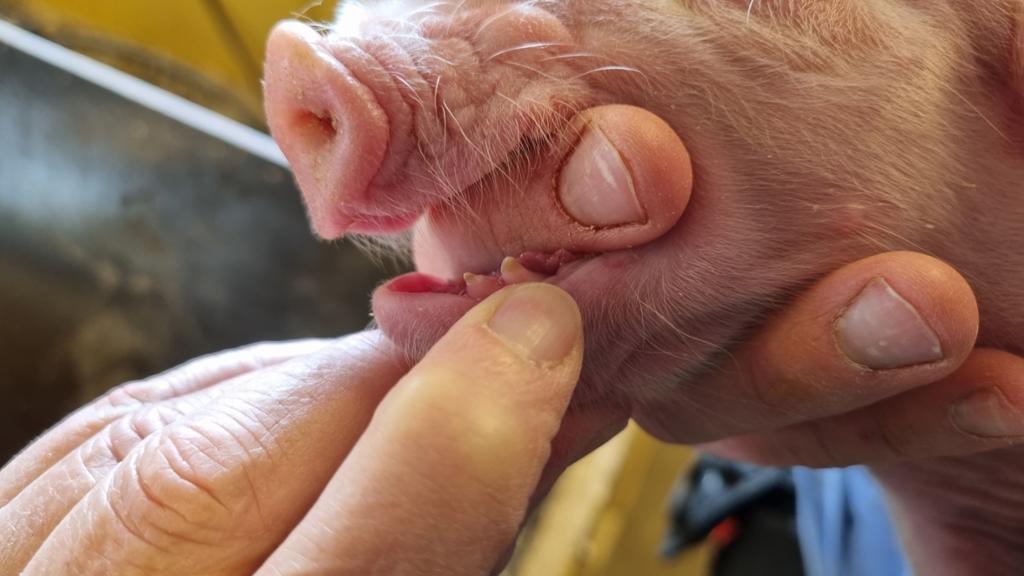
(902,310)
(537,323)
(987,397)
(626,182)
(950,306)
(501,377)
(655,156)
(872,329)
(540,321)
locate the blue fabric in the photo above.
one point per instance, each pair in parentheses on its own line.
(844,526)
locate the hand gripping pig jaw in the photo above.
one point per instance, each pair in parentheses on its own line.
(543,229)
(820,134)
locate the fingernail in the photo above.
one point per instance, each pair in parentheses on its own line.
(881,330)
(538,320)
(596,187)
(987,413)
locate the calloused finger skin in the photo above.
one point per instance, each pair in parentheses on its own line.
(30,517)
(84,423)
(217,490)
(811,361)
(978,408)
(150,405)
(442,478)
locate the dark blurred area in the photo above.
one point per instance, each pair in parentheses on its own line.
(746,512)
(130,242)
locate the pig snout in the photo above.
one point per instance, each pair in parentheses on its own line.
(407,112)
(330,125)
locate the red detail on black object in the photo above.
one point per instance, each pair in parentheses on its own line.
(724,533)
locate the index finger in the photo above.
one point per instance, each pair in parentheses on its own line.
(869,331)
(442,478)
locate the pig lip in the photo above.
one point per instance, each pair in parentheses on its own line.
(417,308)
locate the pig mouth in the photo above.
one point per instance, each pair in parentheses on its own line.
(376,156)
(417,308)
(430,304)
(356,142)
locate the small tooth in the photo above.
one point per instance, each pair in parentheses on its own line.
(512,272)
(479,286)
(474,279)
(510,268)
(509,264)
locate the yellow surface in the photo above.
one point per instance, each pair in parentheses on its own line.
(210,51)
(254,18)
(607,516)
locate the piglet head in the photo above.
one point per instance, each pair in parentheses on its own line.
(818,133)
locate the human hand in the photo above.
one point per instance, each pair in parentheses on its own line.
(266,458)
(947,447)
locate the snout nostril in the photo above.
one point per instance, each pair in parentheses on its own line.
(329,124)
(315,129)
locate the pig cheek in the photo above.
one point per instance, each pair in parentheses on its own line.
(641,353)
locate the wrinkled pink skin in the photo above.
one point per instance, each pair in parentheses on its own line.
(820,132)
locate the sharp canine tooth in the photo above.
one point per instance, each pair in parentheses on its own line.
(474,279)
(479,286)
(512,272)
(510,266)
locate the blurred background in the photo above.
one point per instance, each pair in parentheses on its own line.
(130,242)
(210,51)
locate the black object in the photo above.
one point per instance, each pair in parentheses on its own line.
(747,512)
